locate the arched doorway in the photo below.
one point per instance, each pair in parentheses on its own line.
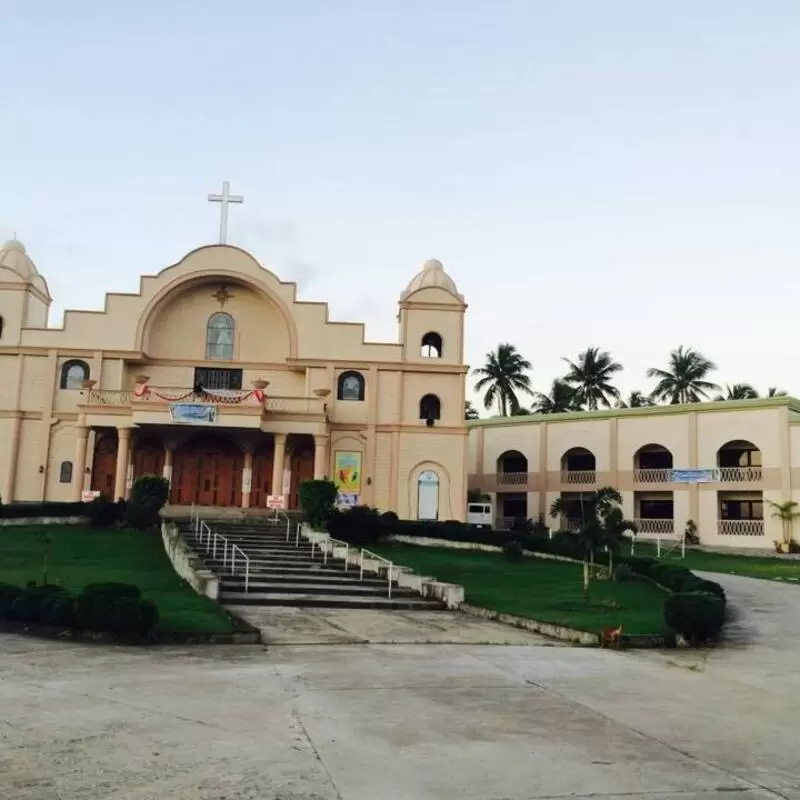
(104,464)
(262,475)
(302,467)
(148,458)
(428,495)
(208,472)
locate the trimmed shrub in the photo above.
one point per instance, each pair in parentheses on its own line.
(148,496)
(361,526)
(513,551)
(58,609)
(30,603)
(389,516)
(697,616)
(103,513)
(318,502)
(28,510)
(8,595)
(93,608)
(129,616)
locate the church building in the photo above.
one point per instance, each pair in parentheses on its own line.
(217,377)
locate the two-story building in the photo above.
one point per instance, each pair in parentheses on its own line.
(716,464)
(216,376)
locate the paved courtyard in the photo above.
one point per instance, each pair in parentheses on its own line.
(414,721)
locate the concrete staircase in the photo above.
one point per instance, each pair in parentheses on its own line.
(287,574)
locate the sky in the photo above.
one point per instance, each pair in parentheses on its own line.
(620,175)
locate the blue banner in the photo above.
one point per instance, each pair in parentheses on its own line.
(193,413)
(692,475)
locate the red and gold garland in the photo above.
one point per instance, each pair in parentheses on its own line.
(144,392)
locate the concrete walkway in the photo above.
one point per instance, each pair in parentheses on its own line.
(408,721)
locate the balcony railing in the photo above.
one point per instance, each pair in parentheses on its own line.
(740,527)
(662,475)
(661,527)
(739,474)
(583,476)
(153,395)
(512,478)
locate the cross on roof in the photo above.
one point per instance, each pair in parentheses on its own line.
(224,199)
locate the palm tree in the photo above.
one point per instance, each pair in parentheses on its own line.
(502,376)
(591,535)
(470,412)
(613,529)
(591,378)
(684,381)
(560,399)
(775,392)
(739,391)
(636,399)
(787,513)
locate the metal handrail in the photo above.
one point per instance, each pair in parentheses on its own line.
(377,558)
(203,530)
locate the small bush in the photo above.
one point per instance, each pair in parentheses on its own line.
(318,502)
(521,525)
(697,616)
(103,513)
(129,616)
(360,526)
(59,610)
(148,496)
(389,516)
(29,510)
(567,544)
(8,595)
(623,572)
(513,551)
(93,608)
(30,603)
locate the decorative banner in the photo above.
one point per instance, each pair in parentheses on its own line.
(693,475)
(224,396)
(192,413)
(347,472)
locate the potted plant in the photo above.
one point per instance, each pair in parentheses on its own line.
(786,512)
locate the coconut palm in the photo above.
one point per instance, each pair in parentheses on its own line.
(470,412)
(775,392)
(612,532)
(591,375)
(560,399)
(787,513)
(684,380)
(636,399)
(503,375)
(739,391)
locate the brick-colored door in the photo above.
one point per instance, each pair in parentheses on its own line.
(104,465)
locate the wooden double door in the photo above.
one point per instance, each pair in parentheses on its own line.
(207,472)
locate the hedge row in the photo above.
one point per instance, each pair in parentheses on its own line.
(108,607)
(100,511)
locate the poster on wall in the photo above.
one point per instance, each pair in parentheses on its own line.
(192,413)
(347,477)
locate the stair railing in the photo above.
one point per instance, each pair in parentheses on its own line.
(376,557)
(208,540)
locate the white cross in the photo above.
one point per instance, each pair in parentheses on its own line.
(223,199)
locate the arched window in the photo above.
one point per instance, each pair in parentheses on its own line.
(350,386)
(430,407)
(219,336)
(73,374)
(431,345)
(65,472)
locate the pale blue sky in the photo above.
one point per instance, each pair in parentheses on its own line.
(622,174)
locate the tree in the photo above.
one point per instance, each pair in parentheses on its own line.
(787,513)
(591,535)
(775,392)
(470,412)
(560,400)
(636,399)
(739,391)
(591,375)
(612,532)
(503,375)
(684,380)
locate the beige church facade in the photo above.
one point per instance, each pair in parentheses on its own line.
(216,376)
(718,464)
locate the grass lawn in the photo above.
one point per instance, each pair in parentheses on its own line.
(549,591)
(765,567)
(92,555)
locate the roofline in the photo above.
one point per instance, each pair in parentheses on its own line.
(792,403)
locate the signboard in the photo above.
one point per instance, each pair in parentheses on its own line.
(87,497)
(693,475)
(346,499)
(192,413)
(275,501)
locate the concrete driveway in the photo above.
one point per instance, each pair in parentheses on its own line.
(410,721)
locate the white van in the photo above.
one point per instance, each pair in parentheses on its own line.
(480,514)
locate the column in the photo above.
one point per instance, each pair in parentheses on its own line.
(8,488)
(123,449)
(169,453)
(278,460)
(79,467)
(247,477)
(320,457)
